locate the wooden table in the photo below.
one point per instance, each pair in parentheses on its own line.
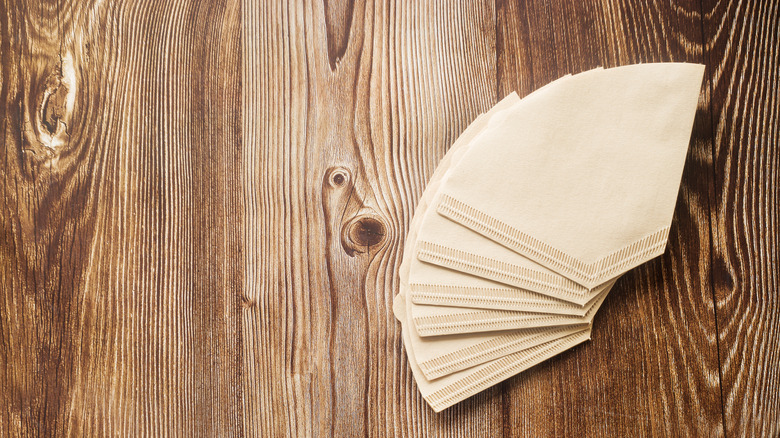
(204,205)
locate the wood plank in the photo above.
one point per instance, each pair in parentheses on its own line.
(742,58)
(120,261)
(341,135)
(175,258)
(652,365)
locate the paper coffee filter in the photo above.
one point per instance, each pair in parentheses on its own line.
(442,355)
(450,365)
(441,320)
(453,288)
(442,242)
(454,154)
(447,244)
(445,391)
(592,191)
(448,389)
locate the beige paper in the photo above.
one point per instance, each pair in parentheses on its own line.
(453,155)
(452,288)
(582,176)
(441,355)
(452,388)
(467,349)
(447,244)
(440,320)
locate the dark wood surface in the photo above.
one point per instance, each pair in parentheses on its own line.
(206,242)
(121,240)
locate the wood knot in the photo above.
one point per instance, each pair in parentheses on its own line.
(338,23)
(55,105)
(338,177)
(53,110)
(362,233)
(367,232)
(247,302)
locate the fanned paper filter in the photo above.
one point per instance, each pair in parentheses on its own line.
(512,352)
(505,263)
(452,388)
(442,243)
(439,321)
(582,176)
(439,241)
(438,356)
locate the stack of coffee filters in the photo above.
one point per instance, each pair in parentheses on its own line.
(528,221)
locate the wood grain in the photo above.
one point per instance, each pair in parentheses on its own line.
(121,262)
(743,58)
(203,205)
(341,136)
